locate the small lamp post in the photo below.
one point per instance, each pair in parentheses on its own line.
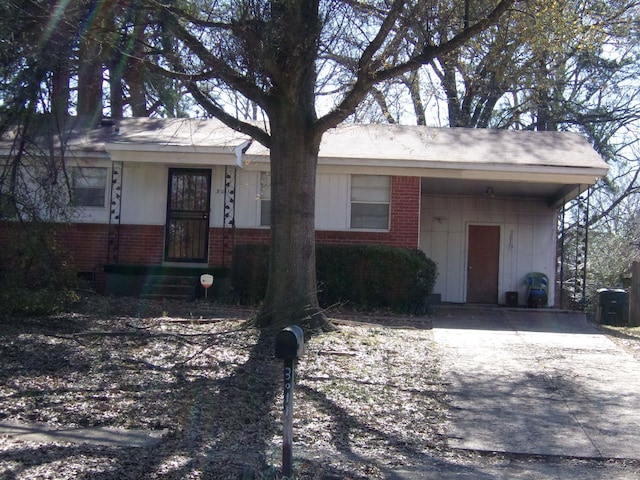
(206,281)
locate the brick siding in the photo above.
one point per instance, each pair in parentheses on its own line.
(87,244)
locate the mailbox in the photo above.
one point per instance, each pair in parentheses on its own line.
(290,343)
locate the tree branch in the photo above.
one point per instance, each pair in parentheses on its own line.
(216,67)
(232,122)
(364,64)
(366,79)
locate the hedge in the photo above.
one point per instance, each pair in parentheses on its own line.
(365,277)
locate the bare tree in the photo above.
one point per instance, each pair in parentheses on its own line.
(280,55)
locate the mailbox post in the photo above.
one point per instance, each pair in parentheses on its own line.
(289,347)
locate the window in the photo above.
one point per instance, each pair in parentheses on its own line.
(88,186)
(265,199)
(370,199)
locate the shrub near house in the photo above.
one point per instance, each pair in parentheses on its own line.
(35,279)
(360,276)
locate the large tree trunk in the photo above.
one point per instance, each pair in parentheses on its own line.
(60,92)
(291,296)
(90,81)
(90,65)
(137,92)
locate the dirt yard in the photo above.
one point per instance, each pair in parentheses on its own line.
(369,398)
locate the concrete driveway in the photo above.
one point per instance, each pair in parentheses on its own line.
(538,382)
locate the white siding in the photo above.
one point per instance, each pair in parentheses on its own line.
(216,217)
(527,242)
(332,201)
(247,199)
(86,214)
(144,197)
(144,194)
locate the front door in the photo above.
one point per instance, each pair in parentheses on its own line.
(187,230)
(483,261)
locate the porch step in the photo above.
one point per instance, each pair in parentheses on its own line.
(170,286)
(157,281)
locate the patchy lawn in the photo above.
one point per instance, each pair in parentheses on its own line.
(368,396)
(628,338)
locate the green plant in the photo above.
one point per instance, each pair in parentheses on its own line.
(34,276)
(363,276)
(375,276)
(249,272)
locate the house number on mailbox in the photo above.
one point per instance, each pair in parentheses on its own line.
(289,347)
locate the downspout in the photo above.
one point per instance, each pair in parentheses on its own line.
(240,151)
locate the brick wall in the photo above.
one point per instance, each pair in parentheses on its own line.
(83,244)
(221,242)
(404,231)
(141,244)
(137,244)
(86,245)
(405,212)
(144,244)
(405,220)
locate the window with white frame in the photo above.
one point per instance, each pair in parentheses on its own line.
(88,186)
(265,199)
(370,200)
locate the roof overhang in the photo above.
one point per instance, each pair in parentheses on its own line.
(555,166)
(555,194)
(172,154)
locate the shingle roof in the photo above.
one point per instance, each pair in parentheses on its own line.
(460,145)
(373,144)
(383,143)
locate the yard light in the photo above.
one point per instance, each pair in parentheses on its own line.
(206,281)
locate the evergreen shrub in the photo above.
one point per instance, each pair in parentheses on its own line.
(365,277)
(34,277)
(249,272)
(375,276)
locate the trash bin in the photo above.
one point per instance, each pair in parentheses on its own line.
(613,307)
(512,299)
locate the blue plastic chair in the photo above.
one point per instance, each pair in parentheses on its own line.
(537,290)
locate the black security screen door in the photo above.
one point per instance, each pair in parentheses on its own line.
(187,232)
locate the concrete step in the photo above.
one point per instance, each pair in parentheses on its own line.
(170,286)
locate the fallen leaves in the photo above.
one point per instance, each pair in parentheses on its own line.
(364,400)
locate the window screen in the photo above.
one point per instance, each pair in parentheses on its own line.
(370,200)
(265,199)
(88,186)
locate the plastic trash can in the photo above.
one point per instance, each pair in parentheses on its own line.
(613,307)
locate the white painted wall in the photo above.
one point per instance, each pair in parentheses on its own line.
(528,226)
(144,198)
(527,241)
(247,200)
(92,214)
(332,200)
(144,194)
